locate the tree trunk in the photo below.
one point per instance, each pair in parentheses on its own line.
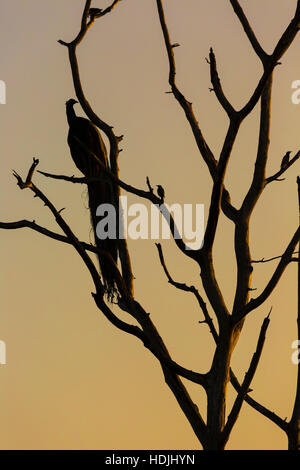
(294,435)
(219,376)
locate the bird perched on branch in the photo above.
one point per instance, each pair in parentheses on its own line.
(161,192)
(94,12)
(285,159)
(89,155)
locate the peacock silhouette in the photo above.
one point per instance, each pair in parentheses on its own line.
(89,154)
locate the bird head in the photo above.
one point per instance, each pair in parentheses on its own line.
(71,102)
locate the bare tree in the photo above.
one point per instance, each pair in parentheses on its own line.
(214,431)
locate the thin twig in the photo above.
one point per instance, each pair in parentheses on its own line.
(284,261)
(48,233)
(192,289)
(263,260)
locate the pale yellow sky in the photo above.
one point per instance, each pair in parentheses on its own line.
(72,381)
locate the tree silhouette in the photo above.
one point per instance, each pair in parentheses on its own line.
(226,325)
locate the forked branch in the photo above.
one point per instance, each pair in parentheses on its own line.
(233,415)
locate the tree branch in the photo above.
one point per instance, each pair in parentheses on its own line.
(191,289)
(258,181)
(217,88)
(248,30)
(257,406)
(63,225)
(48,233)
(251,401)
(263,260)
(98,296)
(149,339)
(272,61)
(187,107)
(294,424)
(242,249)
(284,261)
(117,322)
(282,170)
(214,209)
(178,369)
(98,13)
(233,415)
(149,195)
(170,369)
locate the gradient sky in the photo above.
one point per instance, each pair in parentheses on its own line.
(72,381)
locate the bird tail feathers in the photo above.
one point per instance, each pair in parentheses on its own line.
(102,193)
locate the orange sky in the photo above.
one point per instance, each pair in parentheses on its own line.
(72,381)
